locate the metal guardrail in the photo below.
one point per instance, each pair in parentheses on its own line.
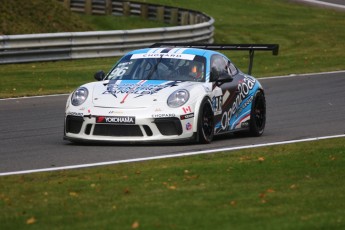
(193,27)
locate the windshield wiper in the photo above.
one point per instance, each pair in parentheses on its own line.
(154,68)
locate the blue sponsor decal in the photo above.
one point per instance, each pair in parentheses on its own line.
(138,87)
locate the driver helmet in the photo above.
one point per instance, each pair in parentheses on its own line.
(196,70)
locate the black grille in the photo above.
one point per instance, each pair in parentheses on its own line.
(169,126)
(73,124)
(88,129)
(148,130)
(117,130)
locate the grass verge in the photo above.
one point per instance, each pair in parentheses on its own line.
(296,186)
(311,40)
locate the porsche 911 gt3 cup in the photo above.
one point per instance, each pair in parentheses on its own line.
(169,92)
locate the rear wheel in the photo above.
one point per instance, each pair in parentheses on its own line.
(205,122)
(258,114)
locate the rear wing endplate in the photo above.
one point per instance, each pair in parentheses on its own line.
(237,47)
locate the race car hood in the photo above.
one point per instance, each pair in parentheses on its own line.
(134,93)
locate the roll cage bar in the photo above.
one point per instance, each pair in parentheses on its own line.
(237,47)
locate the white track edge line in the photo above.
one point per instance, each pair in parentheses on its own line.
(168,156)
(324,3)
(30,97)
(301,75)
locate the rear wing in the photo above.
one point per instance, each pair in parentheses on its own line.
(237,47)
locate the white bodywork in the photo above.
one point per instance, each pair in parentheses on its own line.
(134,104)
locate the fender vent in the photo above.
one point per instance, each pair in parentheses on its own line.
(73,124)
(169,126)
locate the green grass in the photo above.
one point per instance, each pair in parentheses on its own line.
(296,186)
(49,77)
(105,22)
(38,16)
(310,39)
(42,16)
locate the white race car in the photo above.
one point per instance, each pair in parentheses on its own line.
(169,92)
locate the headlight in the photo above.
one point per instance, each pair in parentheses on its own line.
(178,98)
(79,96)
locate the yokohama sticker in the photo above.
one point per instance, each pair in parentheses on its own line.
(116,120)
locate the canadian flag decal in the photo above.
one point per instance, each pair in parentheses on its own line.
(187,109)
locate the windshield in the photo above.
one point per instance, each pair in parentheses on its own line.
(182,67)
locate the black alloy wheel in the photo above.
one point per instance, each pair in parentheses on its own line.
(205,122)
(258,114)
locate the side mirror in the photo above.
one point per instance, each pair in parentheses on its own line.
(225,77)
(99,76)
(220,77)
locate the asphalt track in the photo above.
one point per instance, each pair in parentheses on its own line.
(298,107)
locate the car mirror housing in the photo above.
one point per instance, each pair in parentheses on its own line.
(224,77)
(99,75)
(217,76)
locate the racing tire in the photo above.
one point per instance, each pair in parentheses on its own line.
(205,128)
(258,115)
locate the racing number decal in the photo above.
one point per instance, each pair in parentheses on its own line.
(217,103)
(120,70)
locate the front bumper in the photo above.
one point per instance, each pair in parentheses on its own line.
(144,129)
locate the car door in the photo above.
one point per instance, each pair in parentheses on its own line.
(225,79)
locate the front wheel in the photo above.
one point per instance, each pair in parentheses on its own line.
(258,114)
(205,130)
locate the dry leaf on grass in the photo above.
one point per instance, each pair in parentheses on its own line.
(135,225)
(31,220)
(74,194)
(261,159)
(233,203)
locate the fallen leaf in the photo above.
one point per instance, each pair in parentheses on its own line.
(74,194)
(135,225)
(261,159)
(192,177)
(332,158)
(233,203)
(244,158)
(127,191)
(172,187)
(293,186)
(270,190)
(31,220)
